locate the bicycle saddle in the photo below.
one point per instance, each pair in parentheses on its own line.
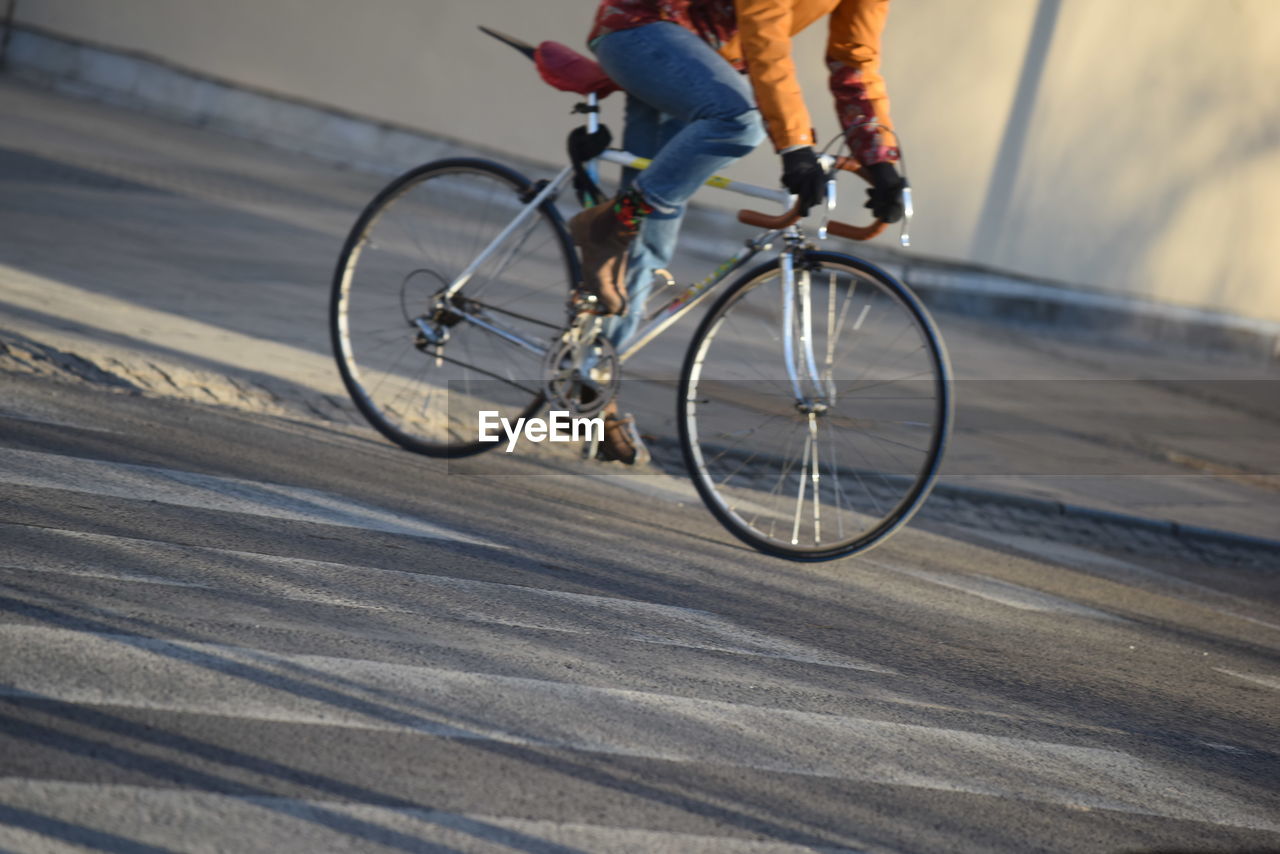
(567,70)
(563,67)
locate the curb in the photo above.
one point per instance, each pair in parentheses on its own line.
(1177,530)
(140,82)
(974,291)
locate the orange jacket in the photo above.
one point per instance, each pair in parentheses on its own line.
(765,28)
(757,34)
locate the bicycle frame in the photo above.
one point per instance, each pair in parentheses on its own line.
(679,306)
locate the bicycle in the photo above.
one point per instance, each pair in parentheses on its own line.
(814,400)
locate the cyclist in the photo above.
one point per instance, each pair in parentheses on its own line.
(692,113)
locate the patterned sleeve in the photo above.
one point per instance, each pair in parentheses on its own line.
(862,101)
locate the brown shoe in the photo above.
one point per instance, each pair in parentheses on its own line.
(622,441)
(604,242)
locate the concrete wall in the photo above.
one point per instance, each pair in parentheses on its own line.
(1131,145)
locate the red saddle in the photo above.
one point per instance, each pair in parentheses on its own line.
(569,71)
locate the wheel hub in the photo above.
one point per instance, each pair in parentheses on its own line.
(813,407)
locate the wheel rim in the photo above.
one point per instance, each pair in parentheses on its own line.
(841,472)
(417,371)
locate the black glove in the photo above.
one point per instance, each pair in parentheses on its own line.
(885,196)
(802,175)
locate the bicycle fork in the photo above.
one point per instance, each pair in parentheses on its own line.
(814,390)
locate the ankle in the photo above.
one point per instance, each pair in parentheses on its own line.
(631,209)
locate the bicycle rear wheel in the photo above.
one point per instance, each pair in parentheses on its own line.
(417,369)
(834,463)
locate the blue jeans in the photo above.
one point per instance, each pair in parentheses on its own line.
(692,114)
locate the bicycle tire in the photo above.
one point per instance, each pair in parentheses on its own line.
(887,393)
(412,240)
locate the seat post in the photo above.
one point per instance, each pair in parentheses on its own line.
(593,125)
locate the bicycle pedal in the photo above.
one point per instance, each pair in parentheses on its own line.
(588,304)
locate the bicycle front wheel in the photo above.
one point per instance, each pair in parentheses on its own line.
(418,366)
(813,416)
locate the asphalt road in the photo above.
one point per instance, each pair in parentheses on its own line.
(224,631)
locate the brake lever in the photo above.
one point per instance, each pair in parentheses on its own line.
(831,205)
(905,237)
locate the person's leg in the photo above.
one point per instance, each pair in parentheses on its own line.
(645,133)
(692,114)
(651,251)
(673,71)
(641,133)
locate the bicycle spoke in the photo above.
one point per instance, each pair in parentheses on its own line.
(408,246)
(742,439)
(837,474)
(838,492)
(804,471)
(903,378)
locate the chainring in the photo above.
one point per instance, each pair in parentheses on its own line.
(582,372)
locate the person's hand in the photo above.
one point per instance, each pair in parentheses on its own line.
(885,196)
(802,175)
